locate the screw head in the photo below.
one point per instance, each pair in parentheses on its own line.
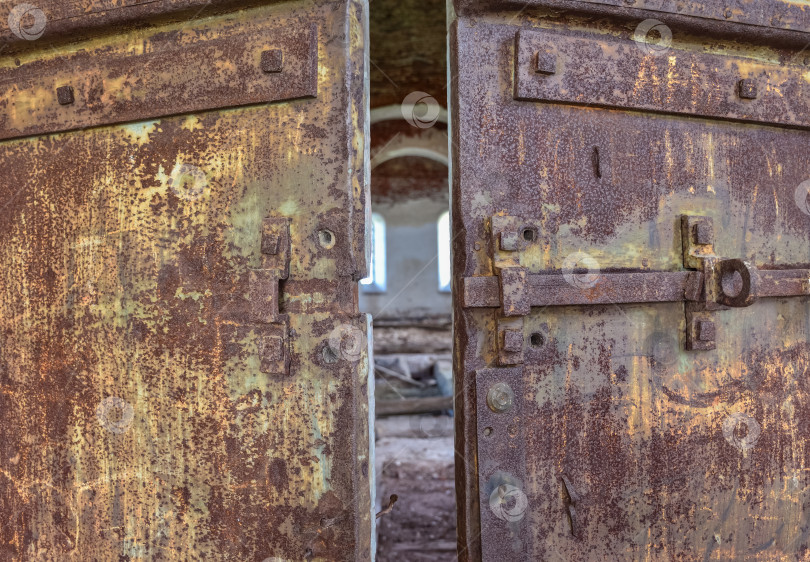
(64,95)
(272,60)
(747,89)
(500,397)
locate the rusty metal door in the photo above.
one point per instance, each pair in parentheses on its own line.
(632,254)
(183,368)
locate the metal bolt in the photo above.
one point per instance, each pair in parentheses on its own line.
(702,232)
(500,397)
(272,60)
(512,341)
(747,89)
(509,240)
(64,95)
(545,62)
(705,330)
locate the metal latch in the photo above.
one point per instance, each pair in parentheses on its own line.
(722,283)
(272,327)
(707,284)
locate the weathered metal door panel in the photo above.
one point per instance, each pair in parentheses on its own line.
(184,372)
(632,257)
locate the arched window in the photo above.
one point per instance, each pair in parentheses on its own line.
(444,252)
(375,282)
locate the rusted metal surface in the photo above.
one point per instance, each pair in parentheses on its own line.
(70,20)
(772,20)
(660,388)
(157,279)
(181,70)
(618,74)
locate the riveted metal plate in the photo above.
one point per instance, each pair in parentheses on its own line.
(502,467)
(180,71)
(623,74)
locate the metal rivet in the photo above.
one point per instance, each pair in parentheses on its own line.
(500,397)
(747,89)
(64,95)
(545,62)
(272,60)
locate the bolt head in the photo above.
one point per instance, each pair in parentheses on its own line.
(271,348)
(703,232)
(272,60)
(706,331)
(64,95)
(509,241)
(500,397)
(512,341)
(545,62)
(748,89)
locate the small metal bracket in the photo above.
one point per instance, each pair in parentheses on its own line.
(724,283)
(273,327)
(509,237)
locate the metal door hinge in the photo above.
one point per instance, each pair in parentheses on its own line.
(707,284)
(272,326)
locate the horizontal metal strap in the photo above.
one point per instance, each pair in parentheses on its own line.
(622,288)
(184,71)
(634,75)
(761,20)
